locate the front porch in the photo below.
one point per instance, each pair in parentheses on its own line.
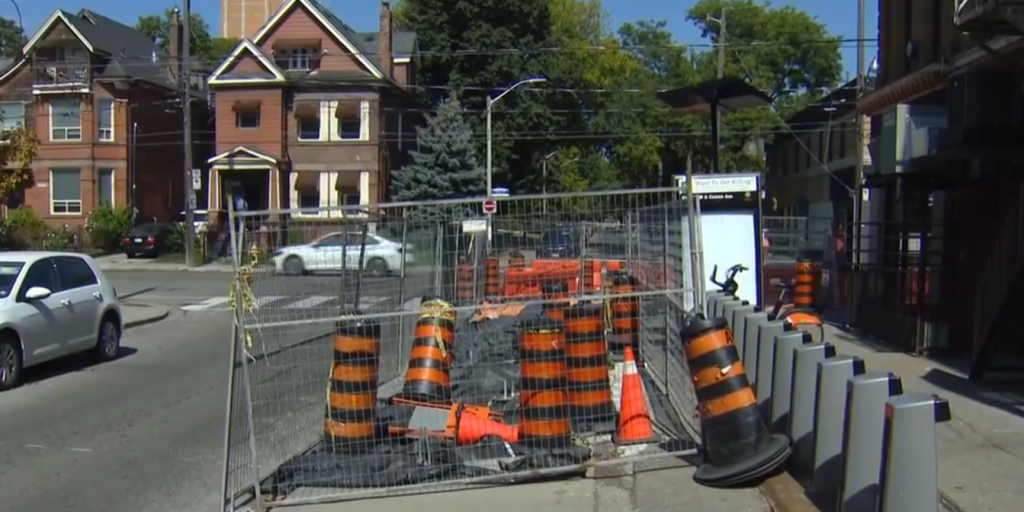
(254,175)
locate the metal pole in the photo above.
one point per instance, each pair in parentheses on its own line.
(490,152)
(544,184)
(186,110)
(401,288)
(717,137)
(858,173)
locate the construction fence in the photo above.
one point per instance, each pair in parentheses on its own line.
(426,346)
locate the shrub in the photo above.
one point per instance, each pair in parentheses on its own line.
(26,230)
(106,227)
(57,239)
(176,238)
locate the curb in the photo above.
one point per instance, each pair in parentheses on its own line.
(784,494)
(149,320)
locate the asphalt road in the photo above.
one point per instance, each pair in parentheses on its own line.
(144,432)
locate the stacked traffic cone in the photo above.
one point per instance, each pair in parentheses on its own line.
(467,427)
(634,419)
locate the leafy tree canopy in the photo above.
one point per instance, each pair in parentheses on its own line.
(12,38)
(597,123)
(203,46)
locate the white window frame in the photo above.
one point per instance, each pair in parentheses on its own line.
(113,186)
(238,119)
(68,206)
(70,133)
(105,134)
(297,194)
(360,118)
(300,59)
(5,125)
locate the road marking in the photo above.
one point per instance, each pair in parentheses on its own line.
(267,299)
(206,304)
(309,302)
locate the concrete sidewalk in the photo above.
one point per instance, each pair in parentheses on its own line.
(981,451)
(120,262)
(654,486)
(135,314)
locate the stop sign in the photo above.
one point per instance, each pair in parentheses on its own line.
(489,206)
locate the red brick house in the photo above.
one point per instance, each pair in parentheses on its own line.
(103,101)
(309,112)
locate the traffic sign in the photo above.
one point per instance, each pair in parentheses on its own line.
(489,206)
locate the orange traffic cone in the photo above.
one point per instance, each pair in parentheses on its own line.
(468,428)
(634,420)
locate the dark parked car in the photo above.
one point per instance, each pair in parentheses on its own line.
(147,240)
(559,243)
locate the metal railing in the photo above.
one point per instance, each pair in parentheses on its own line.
(60,74)
(300,430)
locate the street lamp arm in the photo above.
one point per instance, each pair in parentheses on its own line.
(491,101)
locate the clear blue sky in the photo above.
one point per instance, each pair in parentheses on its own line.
(838,15)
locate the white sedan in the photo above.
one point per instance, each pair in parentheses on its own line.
(340,251)
(54,304)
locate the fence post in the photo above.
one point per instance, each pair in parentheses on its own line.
(401,288)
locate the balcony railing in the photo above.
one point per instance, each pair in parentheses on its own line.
(61,75)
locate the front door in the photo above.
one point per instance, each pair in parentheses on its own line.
(42,322)
(79,286)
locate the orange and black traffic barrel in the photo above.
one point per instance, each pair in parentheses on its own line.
(427,378)
(350,423)
(544,400)
(464,283)
(556,295)
(625,311)
(492,277)
(803,288)
(586,360)
(516,260)
(738,447)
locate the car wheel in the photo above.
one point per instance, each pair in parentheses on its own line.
(293,266)
(377,267)
(108,343)
(10,363)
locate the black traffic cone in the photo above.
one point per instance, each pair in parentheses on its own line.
(737,445)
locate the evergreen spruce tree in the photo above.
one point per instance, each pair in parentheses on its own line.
(444,166)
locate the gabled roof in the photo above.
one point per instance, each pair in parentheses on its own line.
(341,32)
(246,46)
(244,152)
(131,54)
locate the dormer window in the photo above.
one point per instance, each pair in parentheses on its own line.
(294,55)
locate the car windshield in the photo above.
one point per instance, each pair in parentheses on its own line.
(9,271)
(556,238)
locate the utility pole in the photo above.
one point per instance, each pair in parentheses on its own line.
(858,172)
(185,83)
(716,131)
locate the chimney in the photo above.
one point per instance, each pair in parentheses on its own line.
(386,59)
(174,40)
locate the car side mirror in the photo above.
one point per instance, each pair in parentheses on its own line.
(37,293)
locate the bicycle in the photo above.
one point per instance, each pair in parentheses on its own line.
(795,318)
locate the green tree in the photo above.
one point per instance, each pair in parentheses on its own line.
(445,165)
(203,46)
(782,51)
(479,48)
(12,38)
(18,147)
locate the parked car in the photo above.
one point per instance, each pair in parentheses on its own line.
(558,243)
(54,304)
(146,240)
(340,251)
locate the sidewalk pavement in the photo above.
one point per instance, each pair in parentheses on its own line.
(981,451)
(121,262)
(653,485)
(135,314)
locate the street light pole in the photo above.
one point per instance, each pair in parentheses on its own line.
(544,178)
(490,109)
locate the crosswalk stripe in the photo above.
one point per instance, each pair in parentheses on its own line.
(309,302)
(267,299)
(206,304)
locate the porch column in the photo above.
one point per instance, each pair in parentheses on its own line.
(364,188)
(213,189)
(274,201)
